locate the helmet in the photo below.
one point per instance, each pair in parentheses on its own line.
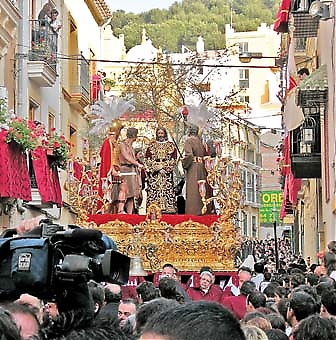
(116,126)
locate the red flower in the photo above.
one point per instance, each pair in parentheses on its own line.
(56,145)
(53,129)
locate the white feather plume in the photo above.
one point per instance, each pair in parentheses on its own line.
(105,111)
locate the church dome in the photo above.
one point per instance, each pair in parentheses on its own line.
(144,52)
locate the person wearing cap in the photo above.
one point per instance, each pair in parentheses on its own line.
(207,290)
(129,167)
(111,188)
(161,156)
(193,164)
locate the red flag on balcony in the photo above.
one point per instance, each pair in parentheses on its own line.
(292,115)
(281,20)
(292,185)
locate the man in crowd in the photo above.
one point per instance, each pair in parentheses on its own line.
(126,308)
(161,156)
(301,305)
(207,289)
(237,304)
(244,274)
(194,321)
(128,169)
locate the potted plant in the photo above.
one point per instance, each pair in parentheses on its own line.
(108,83)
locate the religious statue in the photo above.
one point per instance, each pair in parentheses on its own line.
(112,188)
(161,156)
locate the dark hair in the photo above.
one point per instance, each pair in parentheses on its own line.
(97,292)
(323,287)
(267,276)
(312,279)
(303,305)
(251,315)
(151,308)
(282,307)
(247,288)
(195,321)
(280,291)
(257,299)
(270,289)
(169,265)
(147,291)
(328,300)
(309,290)
(162,129)
(259,267)
(169,290)
(276,334)
(303,71)
(315,327)
(131,132)
(277,321)
(129,300)
(112,297)
(297,279)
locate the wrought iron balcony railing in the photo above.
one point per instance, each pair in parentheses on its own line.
(82,85)
(43,43)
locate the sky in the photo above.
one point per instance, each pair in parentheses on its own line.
(138,6)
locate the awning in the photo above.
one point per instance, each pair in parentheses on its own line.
(313,90)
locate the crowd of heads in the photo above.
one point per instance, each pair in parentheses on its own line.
(259,303)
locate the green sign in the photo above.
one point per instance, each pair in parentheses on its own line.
(270,206)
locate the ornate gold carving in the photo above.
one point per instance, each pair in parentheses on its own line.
(188,245)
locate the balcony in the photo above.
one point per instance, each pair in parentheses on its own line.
(43,54)
(306,146)
(9,21)
(78,95)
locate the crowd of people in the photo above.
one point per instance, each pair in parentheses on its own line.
(291,303)
(123,173)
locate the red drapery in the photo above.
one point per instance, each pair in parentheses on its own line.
(281,20)
(46,178)
(292,184)
(14,179)
(136,219)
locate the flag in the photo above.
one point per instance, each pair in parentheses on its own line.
(292,115)
(281,20)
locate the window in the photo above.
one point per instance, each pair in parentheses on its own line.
(254,226)
(51,122)
(244,99)
(300,44)
(243,47)
(245,224)
(33,113)
(244,76)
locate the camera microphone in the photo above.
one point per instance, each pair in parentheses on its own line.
(81,234)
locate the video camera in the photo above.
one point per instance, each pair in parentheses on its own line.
(49,258)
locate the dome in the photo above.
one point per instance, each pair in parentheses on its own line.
(144,52)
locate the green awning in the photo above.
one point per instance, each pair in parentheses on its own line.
(317,81)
